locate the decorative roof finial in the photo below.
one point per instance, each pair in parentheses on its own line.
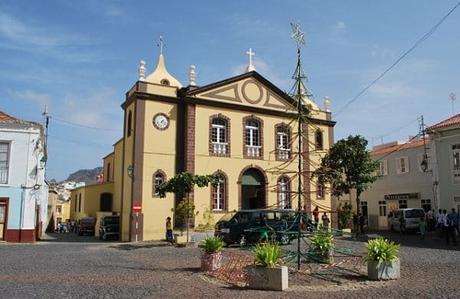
(141,70)
(192,75)
(250,67)
(327,104)
(161,44)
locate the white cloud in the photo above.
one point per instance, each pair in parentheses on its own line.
(100,109)
(40,99)
(20,34)
(340,26)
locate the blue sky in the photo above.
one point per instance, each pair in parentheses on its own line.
(80,57)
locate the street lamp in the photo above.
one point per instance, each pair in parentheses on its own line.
(130,171)
(424,163)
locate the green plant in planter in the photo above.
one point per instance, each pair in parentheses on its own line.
(267,255)
(212,245)
(322,243)
(382,250)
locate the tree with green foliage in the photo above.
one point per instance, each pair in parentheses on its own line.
(182,185)
(347,166)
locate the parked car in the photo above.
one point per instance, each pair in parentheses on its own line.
(249,226)
(403,220)
(109,228)
(86,226)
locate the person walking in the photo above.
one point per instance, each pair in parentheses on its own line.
(450,226)
(316,216)
(422,227)
(430,220)
(326,221)
(361,224)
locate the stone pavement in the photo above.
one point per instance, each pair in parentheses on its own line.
(72,267)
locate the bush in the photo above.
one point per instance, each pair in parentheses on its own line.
(322,242)
(382,250)
(267,255)
(212,245)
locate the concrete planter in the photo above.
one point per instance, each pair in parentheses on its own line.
(275,279)
(211,261)
(383,271)
(180,240)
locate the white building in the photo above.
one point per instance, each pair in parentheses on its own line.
(445,137)
(23,191)
(403,183)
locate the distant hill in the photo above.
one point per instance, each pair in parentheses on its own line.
(85,175)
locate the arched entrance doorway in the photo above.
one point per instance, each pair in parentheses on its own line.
(253,189)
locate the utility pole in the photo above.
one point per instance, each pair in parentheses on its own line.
(46,121)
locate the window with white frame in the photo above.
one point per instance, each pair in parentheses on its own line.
(219,194)
(282,142)
(456,156)
(4,162)
(382,208)
(252,133)
(383,168)
(252,138)
(58,209)
(402,165)
(284,198)
(219,136)
(158,179)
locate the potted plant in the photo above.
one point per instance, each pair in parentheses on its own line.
(266,273)
(322,246)
(211,259)
(382,259)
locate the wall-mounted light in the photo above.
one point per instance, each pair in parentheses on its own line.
(42,162)
(130,171)
(424,164)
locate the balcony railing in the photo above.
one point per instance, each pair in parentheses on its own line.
(3,175)
(283,154)
(253,151)
(219,148)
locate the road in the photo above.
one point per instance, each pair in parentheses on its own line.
(82,267)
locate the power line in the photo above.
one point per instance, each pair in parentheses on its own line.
(417,43)
(82,126)
(389,133)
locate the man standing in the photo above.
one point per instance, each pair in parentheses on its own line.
(316,216)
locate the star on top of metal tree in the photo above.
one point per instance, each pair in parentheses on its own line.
(298,35)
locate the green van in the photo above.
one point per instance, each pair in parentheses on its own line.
(251,226)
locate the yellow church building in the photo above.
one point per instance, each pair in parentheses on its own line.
(241,128)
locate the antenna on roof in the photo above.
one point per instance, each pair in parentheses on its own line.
(452,97)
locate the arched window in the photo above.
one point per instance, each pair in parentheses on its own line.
(320,190)
(252,137)
(165,82)
(129,126)
(283,139)
(219,136)
(108,173)
(159,177)
(284,195)
(219,194)
(318,140)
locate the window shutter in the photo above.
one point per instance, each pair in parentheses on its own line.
(398,165)
(385,167)
(406,160)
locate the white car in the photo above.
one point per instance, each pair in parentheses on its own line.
(403,220)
